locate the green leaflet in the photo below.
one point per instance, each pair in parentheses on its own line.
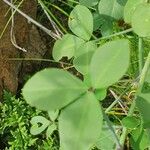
(130,8)
(52,89)
(106,140)
(66,46)
(80,124)
(104,23)
(147,79)
(88,3)
(143,104)
(83,56)
(97,21)
(53,114)
(141,26)
(143,101)
(81,22)
(109,63)
(107,26)
(112,8)
(100,94)
(130,122)
(35,128)
(140,139)
(51,129)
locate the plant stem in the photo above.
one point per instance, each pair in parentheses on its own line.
(49,32)
(75,2)
(110,126)
(37,59)
(140,86)
(144,72)
(116,34)
(59,9)
(2,33)
(140,48)
(54,25)
(66,3)
(117,100)
(53,16)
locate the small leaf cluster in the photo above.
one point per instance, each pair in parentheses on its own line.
(15,125)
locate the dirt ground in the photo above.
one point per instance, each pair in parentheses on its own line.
(28,37)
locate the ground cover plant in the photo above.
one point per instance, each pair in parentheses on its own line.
(15,126)
(100,97)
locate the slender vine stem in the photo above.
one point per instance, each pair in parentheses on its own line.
(59,9)
(140,86)
(37,59)
(116,34)
(53,16)
(110,126)
(75,2)
(144,72)
(54,25)
(117,100)
(66,3)
(140,48)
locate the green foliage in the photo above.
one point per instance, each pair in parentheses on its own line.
(101,94)
(140,139)
(53,114)
(106,25)
(88,3)
(49,86)
(143,101)
(109,63)
(77,126)
(83,57)
(97,21)
(35,129)
(130,122)
(51,129)
(130,8)
(101,63)
(79,24)
(106,140)
(40,123)
(112,8)
(59,89)
(141,26)
(60,50)
(15,115)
